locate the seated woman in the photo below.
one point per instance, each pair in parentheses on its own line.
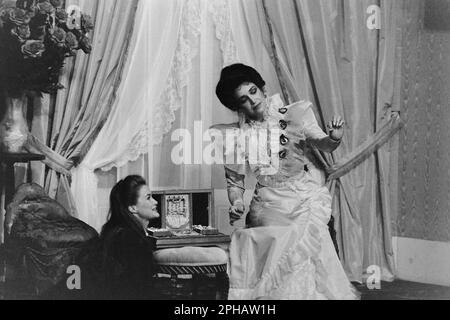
(126,252)
(286,251)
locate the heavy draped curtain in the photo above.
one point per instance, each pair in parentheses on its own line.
(354,68)
(64,125)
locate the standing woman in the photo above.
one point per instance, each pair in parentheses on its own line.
(127,260)
(286,251)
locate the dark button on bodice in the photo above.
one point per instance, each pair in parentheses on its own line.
(284,140)
(283,125)
(283,154)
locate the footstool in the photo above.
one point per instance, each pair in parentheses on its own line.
(192,268)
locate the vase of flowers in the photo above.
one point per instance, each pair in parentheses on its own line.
(36,36)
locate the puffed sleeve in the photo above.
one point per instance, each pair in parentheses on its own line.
(234,160)
(226,141)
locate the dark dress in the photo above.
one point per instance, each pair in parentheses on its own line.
(127,264)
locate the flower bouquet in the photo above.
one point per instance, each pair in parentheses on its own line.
(36,36)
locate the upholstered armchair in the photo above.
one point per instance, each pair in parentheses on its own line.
(41,241)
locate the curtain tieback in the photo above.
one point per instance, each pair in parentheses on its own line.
(53,160)
(364,151)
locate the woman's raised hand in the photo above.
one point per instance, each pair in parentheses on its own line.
(336,128)
(236,211)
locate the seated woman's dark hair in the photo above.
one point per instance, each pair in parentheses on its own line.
(124,194)
(231,78)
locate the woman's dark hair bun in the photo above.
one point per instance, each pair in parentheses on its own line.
(231,78)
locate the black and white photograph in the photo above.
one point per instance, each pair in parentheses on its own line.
(235,152)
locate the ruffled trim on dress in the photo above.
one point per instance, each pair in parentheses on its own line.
(306,251)
(304,257)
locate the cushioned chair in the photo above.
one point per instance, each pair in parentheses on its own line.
(205,268)
(41,241)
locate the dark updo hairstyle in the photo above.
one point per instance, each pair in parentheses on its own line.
(124,194)
(231,78)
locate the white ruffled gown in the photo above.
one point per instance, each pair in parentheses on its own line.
(287,254)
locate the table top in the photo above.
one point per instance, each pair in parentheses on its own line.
(20,157)
(195,240)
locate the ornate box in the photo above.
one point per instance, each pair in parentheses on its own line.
(182,210)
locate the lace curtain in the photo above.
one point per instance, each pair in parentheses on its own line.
(178,50)
(160,118)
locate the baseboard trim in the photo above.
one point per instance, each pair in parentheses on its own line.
(422,261)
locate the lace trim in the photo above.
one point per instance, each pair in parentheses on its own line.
(265,165)
(171,100)
(305,252)
(220,12)
(307,248)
